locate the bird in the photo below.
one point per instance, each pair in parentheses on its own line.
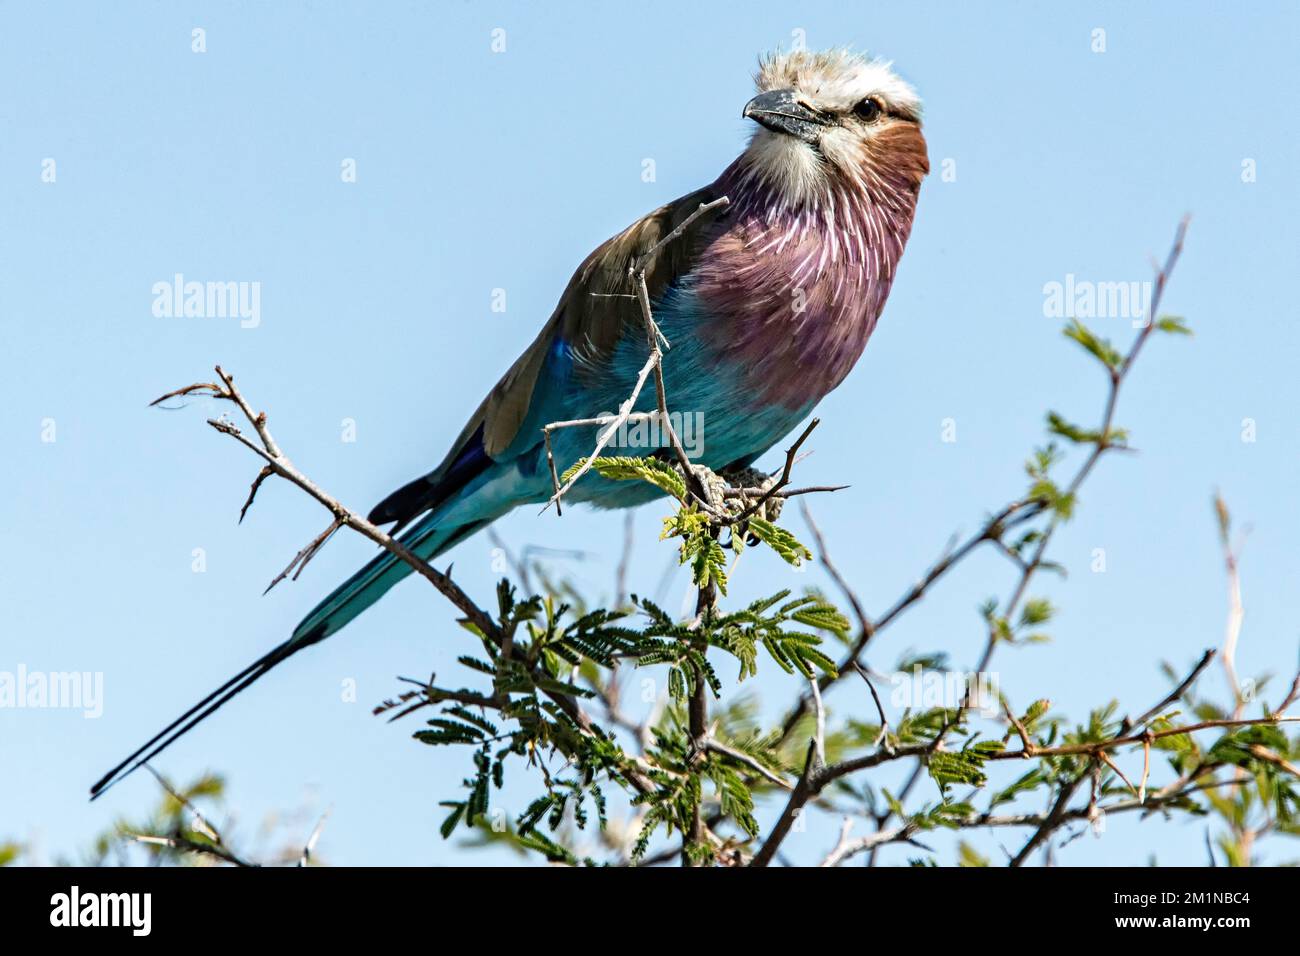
(767,303)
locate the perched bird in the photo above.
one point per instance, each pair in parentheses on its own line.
(767,303)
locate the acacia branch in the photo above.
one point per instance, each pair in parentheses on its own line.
(992,530)
(791,455)
(717,747)
(310,846)
(200,822)
(1236,612)
(846,849)
(1095,750)
(266,448)
(1106,441)
(280,464)
(191,846)
(216,846)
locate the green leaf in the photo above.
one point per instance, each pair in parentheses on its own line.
(449,824)
(824,617)
(1173,324)
(779,540)
(1036,611)
(699,548)
(449,732)
(1030,781)
(963,767)
(624,468)
(1058,425)
(1106,353)
(709,564)
(534,812)
(967,855)
(1036,710)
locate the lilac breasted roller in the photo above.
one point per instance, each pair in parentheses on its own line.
(767,303)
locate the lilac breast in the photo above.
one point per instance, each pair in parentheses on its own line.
(796,293)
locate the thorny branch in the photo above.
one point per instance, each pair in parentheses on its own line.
(266,448)
(281,466)
(1017,513)
(816,776)
(213,845)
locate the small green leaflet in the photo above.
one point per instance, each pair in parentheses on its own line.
(779,540)
(623,468)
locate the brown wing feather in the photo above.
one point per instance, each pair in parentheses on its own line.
(591,315)
(594,309)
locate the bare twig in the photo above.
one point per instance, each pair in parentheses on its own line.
(428,695)
(1277,760)
(1029,567)
(285,468)
(198,821)
(824,556)
(731,753)
(820,713)
(1053,820)
(1111,764)
(882,738)
(791,456)
(192,846)
(611,423)
(1028,748)
(750,493)
(1146,768)
(262,475)
(305,555)
(310,846)
(266,448)
(1236,612)
(805,789)
(846,849)
(1292,696)
(1012,515)
(1177,693)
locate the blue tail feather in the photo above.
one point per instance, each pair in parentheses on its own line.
(426,540)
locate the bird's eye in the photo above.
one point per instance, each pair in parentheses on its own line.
(868,109)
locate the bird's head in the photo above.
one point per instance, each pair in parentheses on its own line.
(832,120)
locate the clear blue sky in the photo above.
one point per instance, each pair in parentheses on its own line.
(479,170)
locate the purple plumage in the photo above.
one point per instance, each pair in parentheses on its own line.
(801,274)
(802,288)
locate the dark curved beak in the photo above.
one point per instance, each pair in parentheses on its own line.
(781,112)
